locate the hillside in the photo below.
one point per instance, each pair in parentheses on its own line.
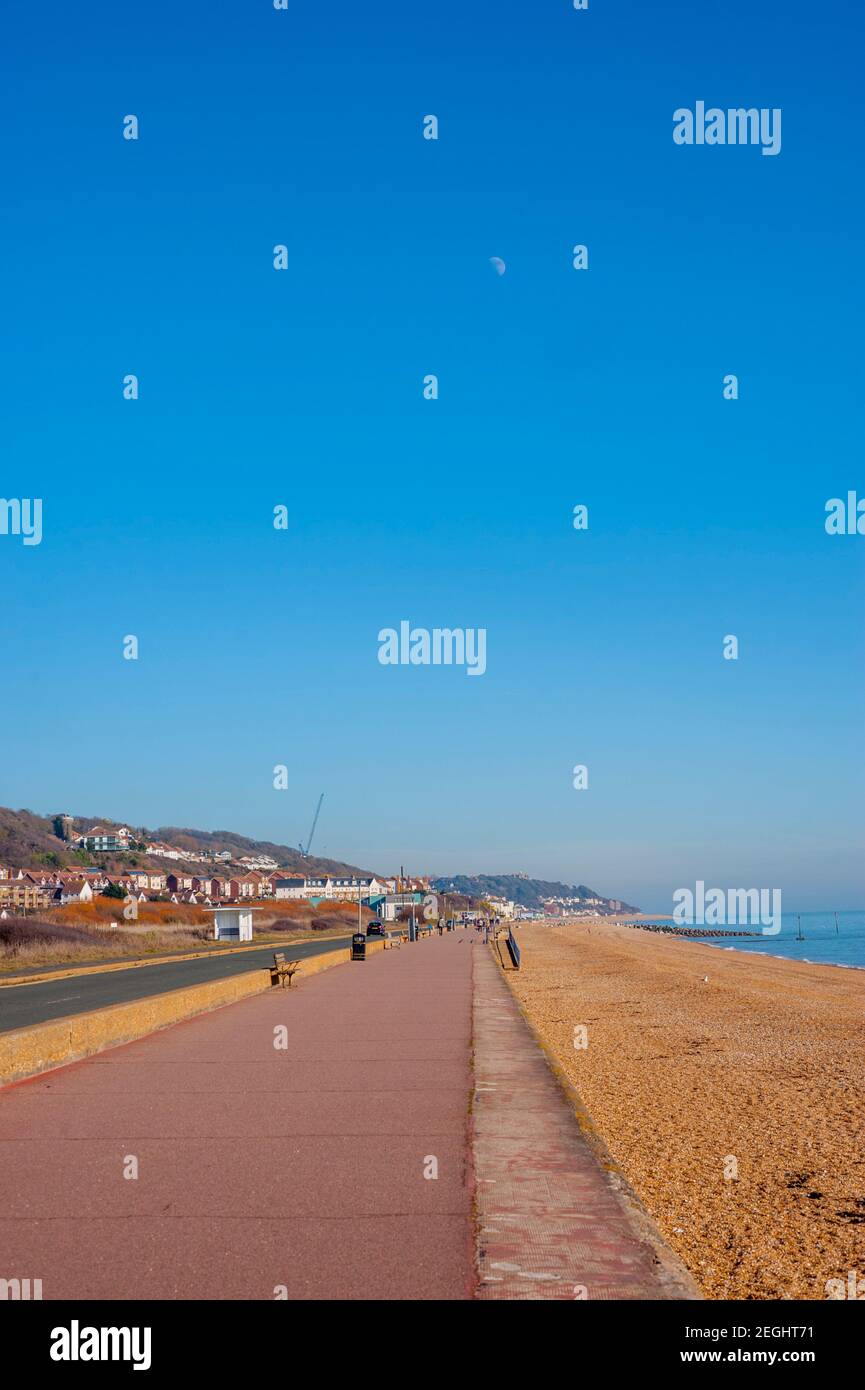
(28,841)
(527,892)
(239,845)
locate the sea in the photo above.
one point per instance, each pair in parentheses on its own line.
(823,943)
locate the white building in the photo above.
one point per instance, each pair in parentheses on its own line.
(232,923)
(288,887)
(339,888)
(393,904)
(73,890)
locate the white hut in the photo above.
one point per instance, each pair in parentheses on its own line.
(232,923)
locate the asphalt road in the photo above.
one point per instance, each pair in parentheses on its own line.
(21,1005)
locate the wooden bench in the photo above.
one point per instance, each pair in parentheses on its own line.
(283,969)
(392,940)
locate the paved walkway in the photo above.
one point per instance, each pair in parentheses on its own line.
(304,1169)
(259,1168)
(555,1220)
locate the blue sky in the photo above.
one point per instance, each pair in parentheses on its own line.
(557,387)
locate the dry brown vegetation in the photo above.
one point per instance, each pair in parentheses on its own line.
(105,911)
(26,942)
(90,932)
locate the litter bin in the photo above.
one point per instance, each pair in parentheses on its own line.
(358,946)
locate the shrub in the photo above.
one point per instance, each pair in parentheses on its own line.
(330,921)
(19,931)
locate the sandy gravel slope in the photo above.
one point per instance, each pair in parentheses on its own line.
(764,1065)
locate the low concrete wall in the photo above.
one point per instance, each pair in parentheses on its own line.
(311,965)
(139,963)
(28,1051)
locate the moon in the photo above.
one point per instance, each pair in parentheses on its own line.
(498,265)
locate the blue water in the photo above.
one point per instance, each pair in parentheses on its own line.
(821,945)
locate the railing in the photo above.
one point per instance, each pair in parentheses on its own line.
(513,949)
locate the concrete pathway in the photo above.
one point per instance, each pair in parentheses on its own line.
(555,1220)
(259,1168)
(304,1169)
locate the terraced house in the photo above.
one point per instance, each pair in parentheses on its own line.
(148,880)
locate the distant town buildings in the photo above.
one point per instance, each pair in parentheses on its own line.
(17,894)
(104,841)
(394,903)
(502,907)
(72,890)
(160,851)
(287,886)
(576,907)
(219,877)
(34,888)
(148,880)
(337,888)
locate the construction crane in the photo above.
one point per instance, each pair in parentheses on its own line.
(303,851)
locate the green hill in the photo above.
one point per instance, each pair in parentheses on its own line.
(527,892)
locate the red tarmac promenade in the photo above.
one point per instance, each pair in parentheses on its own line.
(259,1169)
(306,1172)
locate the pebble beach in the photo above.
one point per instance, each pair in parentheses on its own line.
(728,1088)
